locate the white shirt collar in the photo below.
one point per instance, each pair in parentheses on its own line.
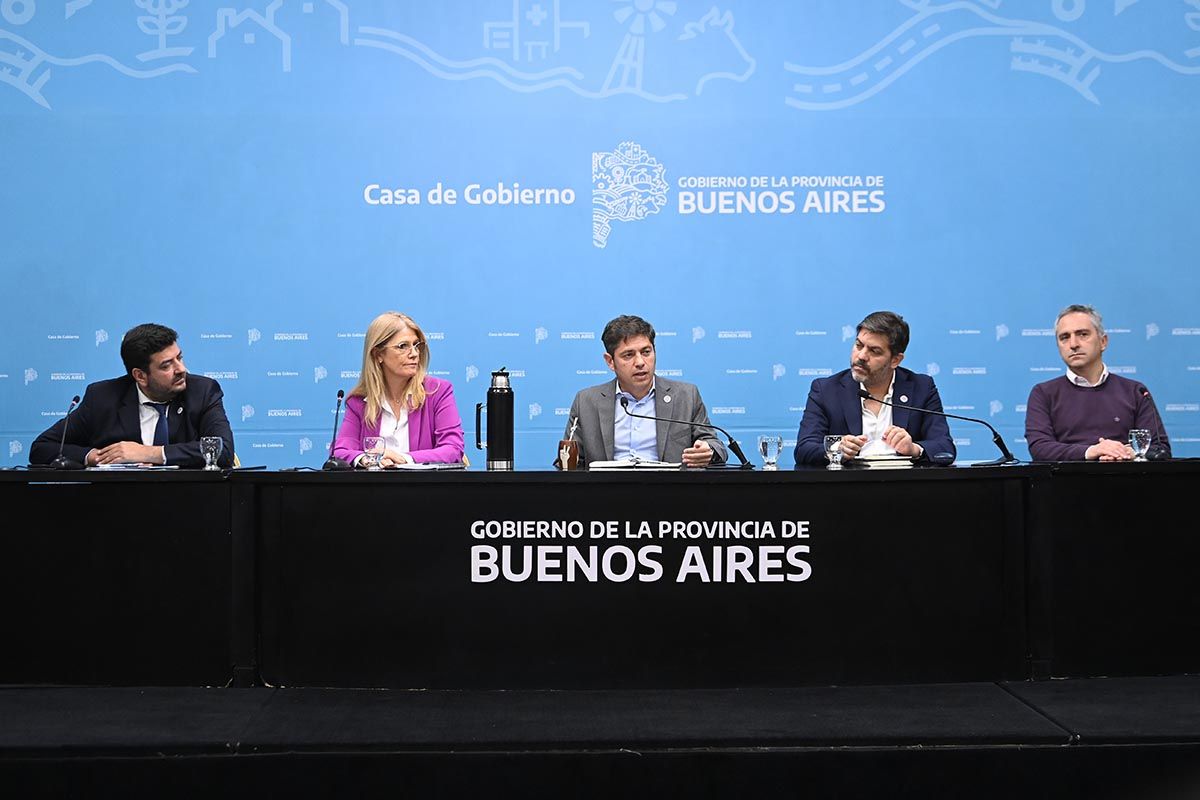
(863,401)
(1077,379)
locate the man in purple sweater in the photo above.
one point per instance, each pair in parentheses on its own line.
(1088,413)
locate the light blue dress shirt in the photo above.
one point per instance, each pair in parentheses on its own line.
(633,437)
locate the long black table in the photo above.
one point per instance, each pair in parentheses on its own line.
(1113,570)
(417,580)
(116,579)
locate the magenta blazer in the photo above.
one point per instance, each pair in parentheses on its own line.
(435,433)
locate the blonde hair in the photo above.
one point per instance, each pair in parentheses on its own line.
(371,385)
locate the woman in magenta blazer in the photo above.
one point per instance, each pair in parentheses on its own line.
(397,399)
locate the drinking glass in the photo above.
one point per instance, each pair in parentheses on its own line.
(833,450)
(210,448)
(1139,442)
(769,447)
(372,452)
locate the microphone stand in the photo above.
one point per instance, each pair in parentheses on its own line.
(61,461)
(1006,456)
(333,463)
(733,445)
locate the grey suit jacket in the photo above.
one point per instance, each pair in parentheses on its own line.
(596,409)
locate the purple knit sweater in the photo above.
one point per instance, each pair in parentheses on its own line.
(1063,420)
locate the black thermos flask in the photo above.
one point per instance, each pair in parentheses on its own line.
(500,416)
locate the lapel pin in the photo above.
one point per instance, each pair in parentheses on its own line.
(179,409)
(903,398)
(666,398)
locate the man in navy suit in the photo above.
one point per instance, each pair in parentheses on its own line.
(154,414)
(870,427)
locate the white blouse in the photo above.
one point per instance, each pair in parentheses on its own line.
(394,428)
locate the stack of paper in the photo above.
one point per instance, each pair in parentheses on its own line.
(632,464)
(429,465)
(885,461)
(140,465)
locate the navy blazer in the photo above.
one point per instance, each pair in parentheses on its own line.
(835,407)
(109,413)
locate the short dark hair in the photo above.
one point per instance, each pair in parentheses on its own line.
(143,341)
(625,327)
(1079,308)
(889,324)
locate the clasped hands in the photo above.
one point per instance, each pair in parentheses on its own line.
(124,453)
(1109,450)
(390,458)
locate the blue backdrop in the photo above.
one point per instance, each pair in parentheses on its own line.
(751,177)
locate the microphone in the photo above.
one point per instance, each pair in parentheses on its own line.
(1006,457)
(733,445)
(1155,451)
(61,461)
(333,463)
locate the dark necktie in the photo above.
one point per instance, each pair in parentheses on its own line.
(160,430)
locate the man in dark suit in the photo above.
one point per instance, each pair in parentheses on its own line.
(869,426)
(605,432)
(154,414)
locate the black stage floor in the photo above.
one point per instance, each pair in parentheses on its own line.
(1127,737)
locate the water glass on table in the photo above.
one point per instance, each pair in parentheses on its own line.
(769,447)
(1139,443)
(833,451)
(210,449)
(372,456)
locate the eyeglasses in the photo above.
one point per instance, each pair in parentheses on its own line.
(403,347)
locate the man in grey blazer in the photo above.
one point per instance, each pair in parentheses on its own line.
(607,429)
